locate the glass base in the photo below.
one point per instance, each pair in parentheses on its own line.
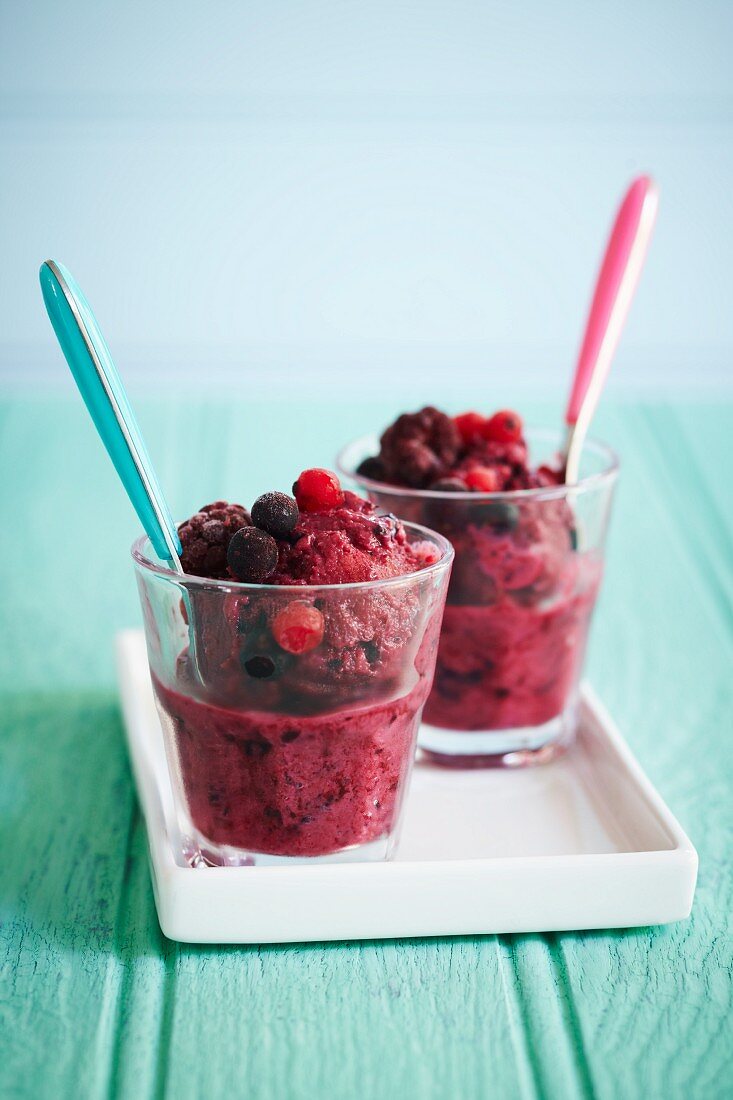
(519,747)
(199,852)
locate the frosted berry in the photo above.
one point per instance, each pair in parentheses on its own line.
(252,555)
(470,425)
(298,628)
(276,513)
(419,447)
(205,538)
(318,490)
(482,479)
(503,427)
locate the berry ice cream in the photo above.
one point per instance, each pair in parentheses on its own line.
(521,594)
(292,725)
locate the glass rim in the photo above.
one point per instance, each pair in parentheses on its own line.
(190,580)
(544,492)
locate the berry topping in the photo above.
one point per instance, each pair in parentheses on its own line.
(318,490)
(483,479)
(448,485)
(471,426)
(420,447)
(276,513)
(504,427)
(206,536)
(298,628)
(252,555)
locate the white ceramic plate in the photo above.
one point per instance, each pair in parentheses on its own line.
(585,842)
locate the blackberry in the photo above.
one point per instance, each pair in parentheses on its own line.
(205,538)
(420,447)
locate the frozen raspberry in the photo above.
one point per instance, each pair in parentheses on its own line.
(470,425)
(420,447)
(318,490)
(252,555)
(483,479)
(205,538)
(298,628)
(504,427)
(276,513)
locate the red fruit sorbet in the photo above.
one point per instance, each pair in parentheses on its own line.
(521,595)
(294,730)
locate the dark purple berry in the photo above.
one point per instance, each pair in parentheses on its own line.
(419,447)
(252,555)
(499,514)
(276,513)
(371,468)
(259,666)
(205,538)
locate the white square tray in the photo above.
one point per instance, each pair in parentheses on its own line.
(585,842)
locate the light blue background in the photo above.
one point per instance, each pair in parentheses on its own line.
(296,196)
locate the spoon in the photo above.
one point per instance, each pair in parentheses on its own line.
(104,395)
(617,281)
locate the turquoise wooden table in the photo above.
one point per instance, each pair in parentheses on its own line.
(94,1002)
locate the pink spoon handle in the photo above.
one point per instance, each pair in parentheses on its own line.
(617,279)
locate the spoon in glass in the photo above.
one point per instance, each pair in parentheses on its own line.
(617,281)
(89,359)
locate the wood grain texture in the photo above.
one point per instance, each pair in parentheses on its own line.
(94,1001)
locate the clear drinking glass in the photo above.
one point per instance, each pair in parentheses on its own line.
(524,583)
(276,756)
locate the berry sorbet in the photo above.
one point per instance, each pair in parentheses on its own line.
(308,630)
(526,575)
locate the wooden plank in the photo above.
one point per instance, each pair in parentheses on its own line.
(654,1006)
(68,811)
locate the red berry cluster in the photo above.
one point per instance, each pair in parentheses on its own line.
(504,426)
(466,453)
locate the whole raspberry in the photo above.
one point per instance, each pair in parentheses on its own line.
(205,538)
(420,447)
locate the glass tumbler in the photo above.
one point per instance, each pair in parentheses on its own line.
(525,579)
(279,753)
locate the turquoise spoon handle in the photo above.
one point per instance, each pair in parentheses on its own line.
(104,395)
